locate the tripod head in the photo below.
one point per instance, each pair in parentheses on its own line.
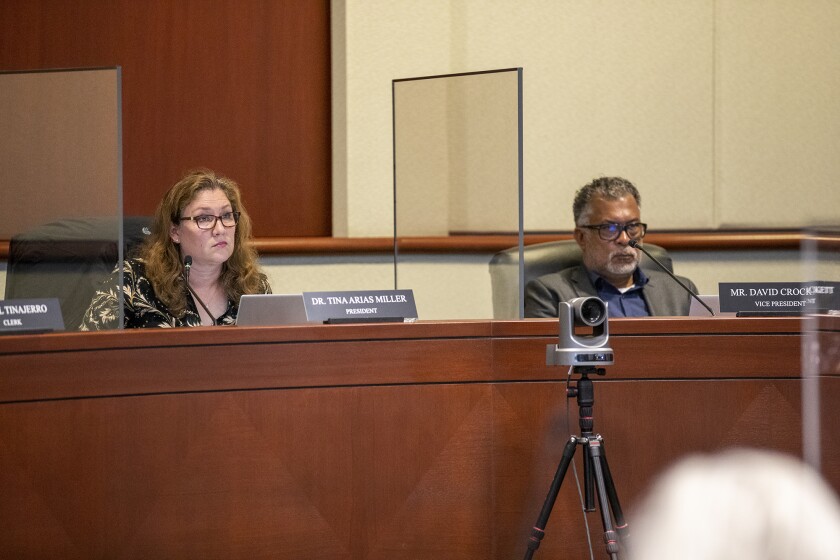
(584,391)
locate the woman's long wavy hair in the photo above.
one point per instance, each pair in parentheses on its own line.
(164,264)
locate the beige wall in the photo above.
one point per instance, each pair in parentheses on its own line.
(456,154)
(724,113)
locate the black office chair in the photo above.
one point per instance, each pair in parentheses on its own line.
(540,259)
(69,259)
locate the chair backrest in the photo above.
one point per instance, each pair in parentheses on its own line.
(69,259)
(540,259)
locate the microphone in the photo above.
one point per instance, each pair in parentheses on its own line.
(636,245)
(187,266)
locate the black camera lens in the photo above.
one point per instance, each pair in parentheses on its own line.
(592,311)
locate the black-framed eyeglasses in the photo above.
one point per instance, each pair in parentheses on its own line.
(611,232)
(208,221)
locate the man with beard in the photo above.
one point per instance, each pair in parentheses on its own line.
(607,217)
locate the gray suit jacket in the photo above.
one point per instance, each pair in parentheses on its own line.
(662,295)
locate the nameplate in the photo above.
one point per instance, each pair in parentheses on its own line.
(779,297)
(30,315)
(360,306)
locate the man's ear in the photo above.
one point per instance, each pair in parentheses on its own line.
(579,237)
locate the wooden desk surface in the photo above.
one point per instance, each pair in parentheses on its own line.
(426,440)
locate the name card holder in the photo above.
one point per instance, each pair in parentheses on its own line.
(774,313)
(347,320)
(30,316)
(365,306)
(779,299)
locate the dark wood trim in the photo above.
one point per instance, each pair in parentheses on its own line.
(64,359)
(674,241)
(739,241)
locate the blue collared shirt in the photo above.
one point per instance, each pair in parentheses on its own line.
(628,304)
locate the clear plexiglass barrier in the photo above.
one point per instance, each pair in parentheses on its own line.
(61,178)
(821,345)
(457,171)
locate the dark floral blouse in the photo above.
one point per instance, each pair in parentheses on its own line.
(141,306)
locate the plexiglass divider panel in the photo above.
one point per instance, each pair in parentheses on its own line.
(457,171)
(821,352)
(61,178)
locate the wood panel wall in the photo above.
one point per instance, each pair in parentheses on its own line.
(239,86)
(399,441)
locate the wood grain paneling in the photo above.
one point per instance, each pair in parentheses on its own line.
(239,86)
(427,440)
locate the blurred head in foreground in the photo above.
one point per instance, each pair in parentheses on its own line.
(738,505)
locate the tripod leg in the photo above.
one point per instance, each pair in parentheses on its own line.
(615,506)
(588,486)
(538,531)
(610,536)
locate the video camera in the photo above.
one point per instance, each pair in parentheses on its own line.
(581,350)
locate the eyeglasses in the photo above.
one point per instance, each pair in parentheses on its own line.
(208,221)
(611,232)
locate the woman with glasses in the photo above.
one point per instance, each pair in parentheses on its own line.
(194,266)
(607,214)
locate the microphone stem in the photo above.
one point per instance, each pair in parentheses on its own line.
(637,245)
(198,299)
(187,267)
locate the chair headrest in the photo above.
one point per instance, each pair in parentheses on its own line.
(545,258)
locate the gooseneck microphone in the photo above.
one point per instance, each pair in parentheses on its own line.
(636,245)
(187,266)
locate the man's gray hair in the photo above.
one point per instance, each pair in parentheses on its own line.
(609,188)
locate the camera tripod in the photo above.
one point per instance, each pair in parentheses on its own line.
(596,471)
